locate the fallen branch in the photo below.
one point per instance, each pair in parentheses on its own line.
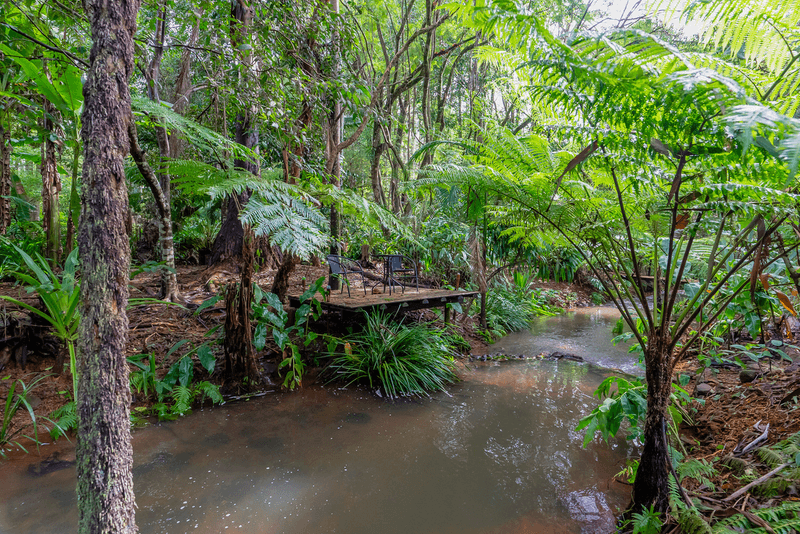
(759,439)
(743,490)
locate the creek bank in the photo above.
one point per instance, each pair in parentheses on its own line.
(156,329)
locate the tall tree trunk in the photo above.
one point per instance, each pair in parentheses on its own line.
(651,487)
(5,177)
(51,186)
(104,456)
(378,146)
(230,239)
(425,104)
(397,166)
(169,277)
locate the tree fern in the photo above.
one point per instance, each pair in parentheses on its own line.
(197,135)
(758,30)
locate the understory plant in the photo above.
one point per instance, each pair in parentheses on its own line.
(395,358)
(625,400)
(511,306)
(60,295)
(268,311)
(16,399)
(177,391)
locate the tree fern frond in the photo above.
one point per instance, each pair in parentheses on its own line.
(760,30)
(364,210)
(201,137)
(288,222)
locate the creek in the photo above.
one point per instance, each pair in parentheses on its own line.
(496,454)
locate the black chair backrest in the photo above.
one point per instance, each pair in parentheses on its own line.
(336,263)
(396,262)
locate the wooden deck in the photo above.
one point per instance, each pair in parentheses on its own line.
(410,300)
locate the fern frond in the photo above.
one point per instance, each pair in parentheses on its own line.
(692,522)
(761,31)
(770,457)
(183,397)
(208,390)
(737,465)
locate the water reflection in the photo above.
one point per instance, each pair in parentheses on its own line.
(496,454)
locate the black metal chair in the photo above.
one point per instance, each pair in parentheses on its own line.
(403,271)
(341,267)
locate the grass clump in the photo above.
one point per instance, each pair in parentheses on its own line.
(396,358)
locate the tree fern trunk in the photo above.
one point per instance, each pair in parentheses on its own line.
(651,487)
(240,357)
(104,455)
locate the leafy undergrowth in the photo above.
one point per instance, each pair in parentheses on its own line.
(396,358)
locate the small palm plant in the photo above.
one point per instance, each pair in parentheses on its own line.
(60,296)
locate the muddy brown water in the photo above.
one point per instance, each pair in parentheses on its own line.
(497,454)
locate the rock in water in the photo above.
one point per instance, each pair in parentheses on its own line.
(553,356)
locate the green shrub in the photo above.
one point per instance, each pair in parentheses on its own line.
(399,359)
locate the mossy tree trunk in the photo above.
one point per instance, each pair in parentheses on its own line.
(5,177)
(104,455)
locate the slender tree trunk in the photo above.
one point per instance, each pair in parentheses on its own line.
(651,487)
(5,178)
(74,211)
(51,186)
(104,456)
(394,184)
(425,105)
(333,163)
(169,277)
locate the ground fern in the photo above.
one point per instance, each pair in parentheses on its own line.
(771,457)
(783,519)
